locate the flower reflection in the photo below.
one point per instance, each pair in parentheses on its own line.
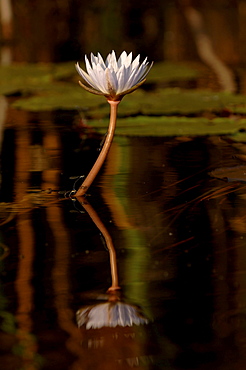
(113,312)
(110,314)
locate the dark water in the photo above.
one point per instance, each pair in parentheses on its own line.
(179,237)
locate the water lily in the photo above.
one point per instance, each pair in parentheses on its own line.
(113,78)
(110,314)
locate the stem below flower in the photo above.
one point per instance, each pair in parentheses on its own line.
(105,149)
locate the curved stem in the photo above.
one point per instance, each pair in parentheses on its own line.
(105,149)
(112,254)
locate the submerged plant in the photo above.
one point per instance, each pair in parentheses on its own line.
(113,79)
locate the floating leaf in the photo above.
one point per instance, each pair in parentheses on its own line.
(64,70)
(21,77)
(164,72)
(239,136)
(161,102)
(170,126)
(186,102)
(237,173)
(57,96)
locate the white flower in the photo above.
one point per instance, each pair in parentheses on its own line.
(113,78)
(110,314)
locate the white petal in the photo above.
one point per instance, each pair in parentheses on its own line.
(88,65)
(138,75)
(113,61)
(145,61)
(135,63)
(107,61)
(109,58)
(111,80)
(84,75)
(121,79)
(114,76)
(128,60)
(101,61)
(79,69)
(102,79)
(125,78)
(130,80)
(94,76)
(93,59)
(146,71)
(122,59)
(82,316)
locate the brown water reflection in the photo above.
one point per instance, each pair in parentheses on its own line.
(179,237)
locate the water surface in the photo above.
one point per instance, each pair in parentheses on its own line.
(178,233)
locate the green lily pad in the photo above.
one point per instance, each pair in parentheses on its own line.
(163,72)
(160,102)
(239,137)
(188,102)
(64,70)
(22,78)
(171,126)
(174,102)
(64,96)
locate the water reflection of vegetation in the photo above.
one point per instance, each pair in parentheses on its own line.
(161,200)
